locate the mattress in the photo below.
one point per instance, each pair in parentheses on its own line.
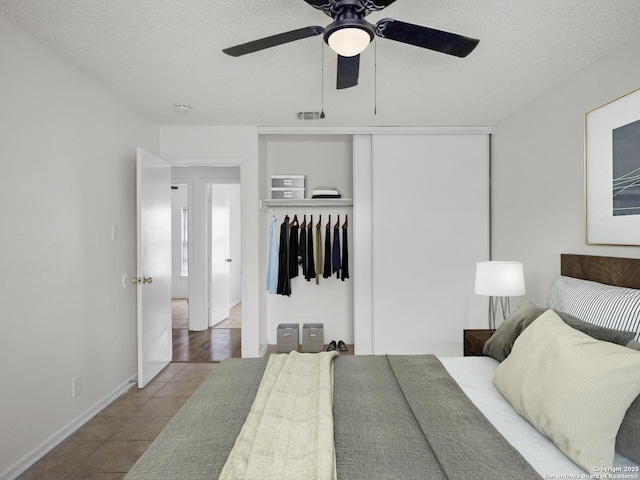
(474,376)
(394,417)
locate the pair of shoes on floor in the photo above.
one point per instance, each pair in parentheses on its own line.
(340,346)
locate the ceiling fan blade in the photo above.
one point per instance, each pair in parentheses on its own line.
(273,41)
(425,37)
(377,5)
(324,5)
(348,70)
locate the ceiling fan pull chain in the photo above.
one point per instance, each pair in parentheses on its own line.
(375,78)
(322,82)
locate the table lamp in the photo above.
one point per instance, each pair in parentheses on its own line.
(499,281)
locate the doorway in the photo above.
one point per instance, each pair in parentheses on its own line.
(180,255)
(196,223)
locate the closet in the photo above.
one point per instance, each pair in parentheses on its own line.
(418,223)
(324,160)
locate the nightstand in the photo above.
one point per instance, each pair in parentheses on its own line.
(474,340)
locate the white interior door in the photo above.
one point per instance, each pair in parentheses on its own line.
(219,286)
(154,265)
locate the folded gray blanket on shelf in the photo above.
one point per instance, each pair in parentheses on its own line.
(394,417)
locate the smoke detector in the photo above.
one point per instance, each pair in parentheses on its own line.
(182,108)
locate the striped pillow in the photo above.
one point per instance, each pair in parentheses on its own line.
(604,305)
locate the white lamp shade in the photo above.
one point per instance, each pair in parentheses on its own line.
(499,279)
(349,42)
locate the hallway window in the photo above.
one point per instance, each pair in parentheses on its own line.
(184,270)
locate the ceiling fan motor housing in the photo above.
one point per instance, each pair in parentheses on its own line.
(349,18)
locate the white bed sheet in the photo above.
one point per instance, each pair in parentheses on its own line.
(475,377)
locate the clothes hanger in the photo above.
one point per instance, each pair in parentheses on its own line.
(319,222)
(337,225)
(304,222)
(329,224)
(294,222)
(346,221)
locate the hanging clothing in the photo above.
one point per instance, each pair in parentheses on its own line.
(302,249)
(272,262)
(335,253)
(318,253)
(293,248)
(326,271)
(345,254)
(284,281)
(311,266)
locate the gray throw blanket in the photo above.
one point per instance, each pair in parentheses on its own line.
(395,417)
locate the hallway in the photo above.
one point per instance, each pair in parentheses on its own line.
(215,344)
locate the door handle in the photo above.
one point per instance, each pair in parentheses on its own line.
(136,280)
(143,280)
(228,260)
(146,280)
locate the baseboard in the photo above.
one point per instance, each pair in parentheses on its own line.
(54,440)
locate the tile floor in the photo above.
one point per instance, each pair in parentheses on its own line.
(234,320)
(108,445)
(180,317)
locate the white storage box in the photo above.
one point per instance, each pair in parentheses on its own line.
(282,193)
(287,187)
(287,181)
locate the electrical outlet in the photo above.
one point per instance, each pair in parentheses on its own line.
(76,387)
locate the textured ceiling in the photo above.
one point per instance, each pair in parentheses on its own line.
(156,53)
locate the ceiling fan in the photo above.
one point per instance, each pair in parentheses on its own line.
(349,34)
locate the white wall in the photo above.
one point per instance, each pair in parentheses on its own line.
(232,146)
(67,163)
(179,200)
(325,160)
(538,171)
(235,249)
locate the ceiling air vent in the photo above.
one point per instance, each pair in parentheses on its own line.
(309,115)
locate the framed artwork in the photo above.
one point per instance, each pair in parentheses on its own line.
(612,171)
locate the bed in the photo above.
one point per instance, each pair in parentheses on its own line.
(421,417)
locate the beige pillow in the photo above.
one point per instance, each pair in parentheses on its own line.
(573,388)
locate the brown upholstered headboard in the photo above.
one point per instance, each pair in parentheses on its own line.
(621,272)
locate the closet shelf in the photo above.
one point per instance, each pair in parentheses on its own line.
(267,203)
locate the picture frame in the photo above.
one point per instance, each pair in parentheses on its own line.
(612,172)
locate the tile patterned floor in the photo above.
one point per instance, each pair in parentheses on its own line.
(180,315)
(234,320)
(108,445)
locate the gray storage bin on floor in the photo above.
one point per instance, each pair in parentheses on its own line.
(312,337)
(288,337)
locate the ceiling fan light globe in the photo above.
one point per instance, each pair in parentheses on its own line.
(349,41)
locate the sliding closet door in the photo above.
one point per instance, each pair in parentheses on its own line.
(430,225)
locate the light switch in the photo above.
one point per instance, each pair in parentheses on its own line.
(114,233)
